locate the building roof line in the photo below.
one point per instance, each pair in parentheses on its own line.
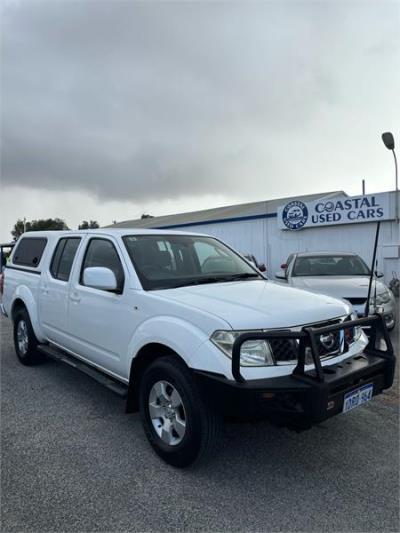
(218,221)
(227,213)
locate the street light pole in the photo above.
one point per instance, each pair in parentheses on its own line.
(388,141)
(396,170)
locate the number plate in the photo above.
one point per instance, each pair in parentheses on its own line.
(357,397)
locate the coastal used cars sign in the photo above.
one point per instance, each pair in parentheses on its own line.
(296,215)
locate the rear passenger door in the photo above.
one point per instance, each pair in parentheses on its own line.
(54,289)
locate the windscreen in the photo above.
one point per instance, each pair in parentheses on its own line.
(330,265)
(170,261)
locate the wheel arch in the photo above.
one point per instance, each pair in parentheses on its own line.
(23,298)
(144,358)
(17,304)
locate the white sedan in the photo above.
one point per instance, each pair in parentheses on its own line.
(341,275)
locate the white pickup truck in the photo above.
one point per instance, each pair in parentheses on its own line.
(189,332)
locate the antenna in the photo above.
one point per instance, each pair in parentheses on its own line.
(376,269)
(371,277)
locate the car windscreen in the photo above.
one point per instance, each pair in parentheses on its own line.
(330,265)
(170,261)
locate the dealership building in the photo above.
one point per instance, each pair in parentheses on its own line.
(273,229)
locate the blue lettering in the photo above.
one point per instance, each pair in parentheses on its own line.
(347,203)
(364,202)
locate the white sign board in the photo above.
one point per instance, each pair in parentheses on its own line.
(296,214)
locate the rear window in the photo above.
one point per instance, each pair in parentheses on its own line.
(29,251)
(63,258)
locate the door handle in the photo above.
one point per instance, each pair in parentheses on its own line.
(75,297)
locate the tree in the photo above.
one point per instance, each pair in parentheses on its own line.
(93,224)
(18,229)
(42,224)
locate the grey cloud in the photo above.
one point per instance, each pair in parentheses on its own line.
(160,100)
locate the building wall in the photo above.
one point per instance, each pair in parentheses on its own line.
(249,236)
(271,245)
(358,238)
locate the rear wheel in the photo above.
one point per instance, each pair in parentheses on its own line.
(179,424)
(25,341)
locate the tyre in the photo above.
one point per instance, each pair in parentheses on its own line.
(179,423)
(391,328)
(25,341)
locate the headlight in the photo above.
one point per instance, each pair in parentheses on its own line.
(381,298)
(252,352)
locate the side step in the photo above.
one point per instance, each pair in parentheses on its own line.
(62,357)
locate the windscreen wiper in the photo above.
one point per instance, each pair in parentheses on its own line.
(242,275)
(217,279)
(200,281)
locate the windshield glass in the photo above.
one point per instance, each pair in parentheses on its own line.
(170,261)
(330,265)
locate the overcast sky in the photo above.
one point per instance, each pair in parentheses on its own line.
(113,109)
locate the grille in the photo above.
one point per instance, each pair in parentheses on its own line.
(284,350)
(329,345)
(356,301)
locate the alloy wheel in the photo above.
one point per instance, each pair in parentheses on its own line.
(167,412)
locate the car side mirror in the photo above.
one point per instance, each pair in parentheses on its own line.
(281,275)
(262,267)
(379,274)
(100,278)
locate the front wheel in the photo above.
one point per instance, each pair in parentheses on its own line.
(178,422)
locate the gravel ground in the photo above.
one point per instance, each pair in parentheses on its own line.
(73,461)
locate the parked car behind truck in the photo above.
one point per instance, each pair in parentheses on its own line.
(188,332)
(341,275)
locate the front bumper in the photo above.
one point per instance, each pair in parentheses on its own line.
(303,399)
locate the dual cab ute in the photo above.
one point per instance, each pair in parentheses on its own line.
(189,332)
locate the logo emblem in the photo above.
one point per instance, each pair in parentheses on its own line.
(327,341)
(295,215)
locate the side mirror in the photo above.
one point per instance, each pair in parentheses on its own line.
(100,278)
(284,266)
(262,267)
(379,274)
(280,275)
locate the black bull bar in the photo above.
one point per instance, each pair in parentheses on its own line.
(307,337)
